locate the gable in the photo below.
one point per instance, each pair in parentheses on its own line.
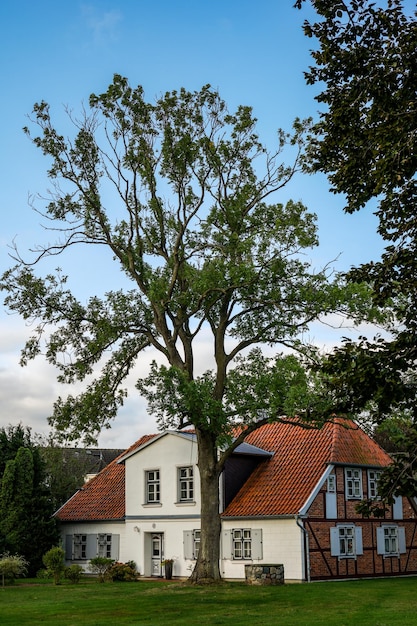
(283,484)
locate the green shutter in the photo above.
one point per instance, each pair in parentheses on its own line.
(358,540)
(380,541)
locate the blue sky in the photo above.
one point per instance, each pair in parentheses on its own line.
(61,52)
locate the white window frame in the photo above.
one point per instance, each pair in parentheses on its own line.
(153,486)
(104,545)
(186,484)
(331,483)
(242,544)
(391,540)
(80,547)
(346,541)
(192,543)
(373,479)
(353,483)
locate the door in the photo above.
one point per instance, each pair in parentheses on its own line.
(156,554)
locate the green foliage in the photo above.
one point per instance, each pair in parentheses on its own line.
(74,573)
(366,142)
(186,197)
(26,523)
(100,566)
(54,563)
(121,572)
(12,566)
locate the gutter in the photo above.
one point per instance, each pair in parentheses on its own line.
(306,546)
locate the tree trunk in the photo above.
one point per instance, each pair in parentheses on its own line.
(207,569)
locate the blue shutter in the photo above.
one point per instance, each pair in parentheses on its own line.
(397,508)
(402,547)
(358,540)
(334,542)
(380,540)
(115,542)
(331,505)
(256,536)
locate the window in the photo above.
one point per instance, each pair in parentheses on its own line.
(373,479)
(196,539)
(353,478)
(242,543)
(346,541)
(153,487)
(185,484)
(80,547)
(390,540)
(192,543)
(331,483)
(104,546)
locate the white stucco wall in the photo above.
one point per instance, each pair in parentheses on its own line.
(282,544)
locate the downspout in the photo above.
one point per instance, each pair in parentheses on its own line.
(306,546)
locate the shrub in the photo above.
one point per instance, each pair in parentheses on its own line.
(122,572)
(54,563)
(12,566)
(74,573)
(100,566)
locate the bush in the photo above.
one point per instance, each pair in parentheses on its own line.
(100,566)
(74,573)
(12,566)
(54,563)
(122,572)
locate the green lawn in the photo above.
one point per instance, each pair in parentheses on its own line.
(385,602)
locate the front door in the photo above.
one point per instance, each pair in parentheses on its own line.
(156,554)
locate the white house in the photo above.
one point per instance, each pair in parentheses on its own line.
(288,495)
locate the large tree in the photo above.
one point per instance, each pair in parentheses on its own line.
(177,191)
(365,57)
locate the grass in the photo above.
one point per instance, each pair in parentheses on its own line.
(383,602)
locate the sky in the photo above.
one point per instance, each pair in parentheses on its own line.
(61,52)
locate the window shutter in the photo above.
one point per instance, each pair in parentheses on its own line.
(91,547)
(380,542)
(397,508)
(227,548)
(115,542)
(334,542)
(68,548)
(401,540)
(188,541)
(256,544)
(331,505)
(358,540)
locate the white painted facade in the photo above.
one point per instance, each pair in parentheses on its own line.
(152,532)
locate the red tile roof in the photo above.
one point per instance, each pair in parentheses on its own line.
(102,497)
(282,484)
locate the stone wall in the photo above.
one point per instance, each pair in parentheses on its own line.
(264,574)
